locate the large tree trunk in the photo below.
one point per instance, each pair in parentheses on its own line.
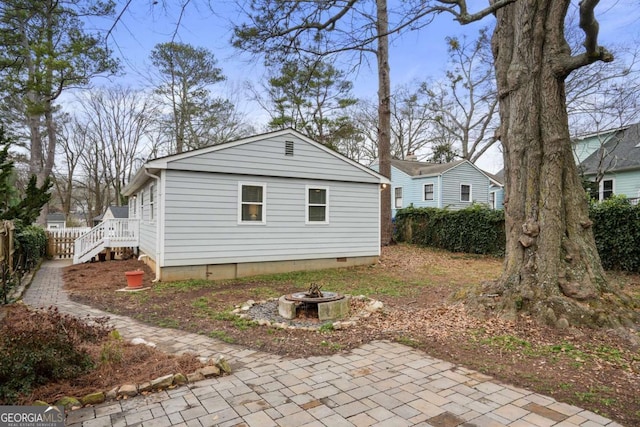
(552,268)
(384,119)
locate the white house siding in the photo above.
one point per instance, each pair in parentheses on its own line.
(201,220)
(464,173)
(267,158)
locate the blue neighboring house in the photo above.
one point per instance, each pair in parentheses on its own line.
(454,185)
(613,156)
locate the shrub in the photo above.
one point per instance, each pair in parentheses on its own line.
(31,244)
(476,229)
(37,347)
(616,227)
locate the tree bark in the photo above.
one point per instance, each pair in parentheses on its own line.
(384,119)
(552,268)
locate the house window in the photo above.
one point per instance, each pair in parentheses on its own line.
(142,205)
(317,205)
(252,203)
(428,192)
(492,200)
(151,211)
(465,193)
(398,197)
(606,186)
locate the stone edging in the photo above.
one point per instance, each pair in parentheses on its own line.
(372,306)
(214,368)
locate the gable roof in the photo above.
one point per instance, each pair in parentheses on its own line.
(120,211)
(56,217)
(618,153)
(414,168)
(142,175)
(116,211)
(424,169)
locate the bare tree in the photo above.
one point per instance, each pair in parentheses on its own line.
(118,121)
(464,105)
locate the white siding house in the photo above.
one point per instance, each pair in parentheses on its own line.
(269,203)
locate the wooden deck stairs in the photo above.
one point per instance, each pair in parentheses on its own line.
(111,233)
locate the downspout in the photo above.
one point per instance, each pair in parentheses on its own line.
(157,217)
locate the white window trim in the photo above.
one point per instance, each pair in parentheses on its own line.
(152,214)
(306,205)
(395,199)
(470,193)
(264,202)
(433,192)
(142,205)
(493,203)
(601,188)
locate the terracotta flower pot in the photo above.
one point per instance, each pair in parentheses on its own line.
(134,279)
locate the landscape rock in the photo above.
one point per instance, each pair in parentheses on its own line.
(162,382)
(210,371)
(93,398)
(142,341)
(146,386)
(224,366)
(112,394)
(179,379)
(68,402)
(128,390)
(195,376)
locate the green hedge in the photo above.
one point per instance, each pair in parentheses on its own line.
(616,227)
(31,245)
(476,229)
(480,230)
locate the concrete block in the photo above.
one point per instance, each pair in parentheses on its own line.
(286,308)
(333,309)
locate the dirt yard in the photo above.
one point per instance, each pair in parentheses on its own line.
(597,370)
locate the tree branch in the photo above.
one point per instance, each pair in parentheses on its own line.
(589,25)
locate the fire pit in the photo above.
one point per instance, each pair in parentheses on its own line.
(327,305)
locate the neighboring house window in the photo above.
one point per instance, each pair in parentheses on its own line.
(465,193)
(142,205)
(317,205)
(606,191)
(252,202)
(428,192)
(492,199)
(398,197)
(151,204)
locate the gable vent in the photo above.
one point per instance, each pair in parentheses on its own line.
(288,148)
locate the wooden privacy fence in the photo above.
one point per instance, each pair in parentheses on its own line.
(60,242)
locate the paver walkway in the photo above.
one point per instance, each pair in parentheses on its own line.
(378,384)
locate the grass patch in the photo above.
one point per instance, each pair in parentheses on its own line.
(181,286)
(222,336)
(410,342)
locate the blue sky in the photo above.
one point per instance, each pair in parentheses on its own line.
(415,56)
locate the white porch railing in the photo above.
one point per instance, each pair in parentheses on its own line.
(111,233)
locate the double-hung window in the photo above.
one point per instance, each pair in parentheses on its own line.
(428,192)
(398,197)
(607,189)
(152,190)
(142,205)
(252,201)
(465,192)
(317,204)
